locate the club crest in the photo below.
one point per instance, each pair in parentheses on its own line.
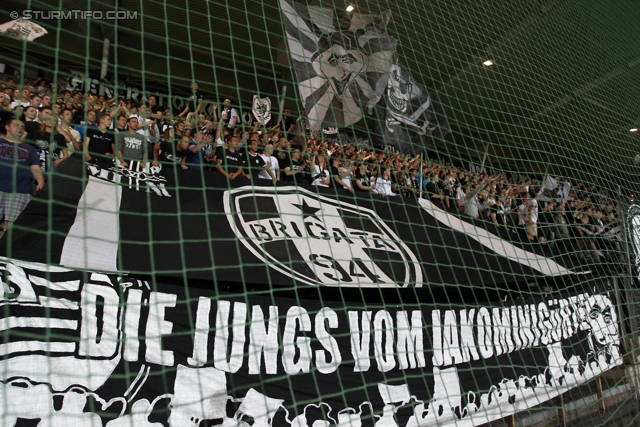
(319,241)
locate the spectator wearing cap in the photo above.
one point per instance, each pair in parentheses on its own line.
(19,164)
(131,145)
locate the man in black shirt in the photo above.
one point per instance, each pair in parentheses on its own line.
(433,190)
(170,154)
(195,97)
(296,172)
(99,143)
(48,142)
(288,124)
(229,162)
(363,179)
(253,162)
(282,153)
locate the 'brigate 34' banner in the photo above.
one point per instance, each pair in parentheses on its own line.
(186,223)
(92,349)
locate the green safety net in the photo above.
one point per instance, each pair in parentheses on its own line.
(319,213)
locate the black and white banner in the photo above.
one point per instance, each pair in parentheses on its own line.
(410,118)
(90,349)
(341,61)
(163,222)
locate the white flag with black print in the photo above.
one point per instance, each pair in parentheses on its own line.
(341,61)
(553,190)
(261,109)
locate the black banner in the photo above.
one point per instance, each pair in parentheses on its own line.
(99,349)
(195,225)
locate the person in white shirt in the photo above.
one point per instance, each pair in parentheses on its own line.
(531,220)
(320,172)
(472,205)
(383,184)
(267,155)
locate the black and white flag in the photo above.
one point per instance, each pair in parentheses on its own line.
(411,117)
(553,190)
(261,109)
(341,62)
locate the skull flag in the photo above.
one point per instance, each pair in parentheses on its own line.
(411,117)
(341,62)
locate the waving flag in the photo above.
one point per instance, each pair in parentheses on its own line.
(411,117)
(341,61)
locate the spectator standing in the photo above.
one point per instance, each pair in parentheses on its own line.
(229,114)
(296,171)
(320,173)
(71,136)
(90,122)
(19,164)
(49,143)
(99,143)
(172,154)
(132,145)
(472,204)
(229,161)
(270,159)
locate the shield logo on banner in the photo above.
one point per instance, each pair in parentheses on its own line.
(320,241)
(261,109)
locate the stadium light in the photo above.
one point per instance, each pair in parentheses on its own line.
(633,130)
(487,63)
(350,8)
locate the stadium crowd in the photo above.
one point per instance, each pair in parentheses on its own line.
(41,130)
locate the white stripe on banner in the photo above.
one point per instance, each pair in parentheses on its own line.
(37,322)
(32,346)
(92,242)
(497,244)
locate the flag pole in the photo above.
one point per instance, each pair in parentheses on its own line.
(281,108)
(421,175)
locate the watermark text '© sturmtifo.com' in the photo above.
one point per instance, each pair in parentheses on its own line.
(74,14)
